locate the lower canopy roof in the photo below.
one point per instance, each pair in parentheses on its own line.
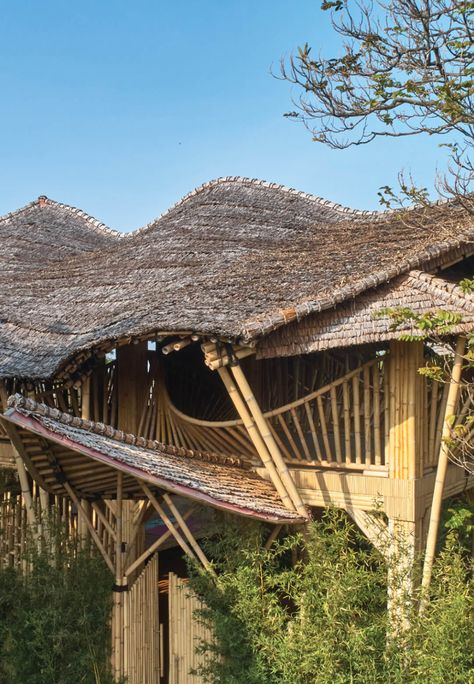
(59,447)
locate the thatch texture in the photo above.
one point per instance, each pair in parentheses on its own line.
(360,321)
(236,259)
(196,475)
(46,232)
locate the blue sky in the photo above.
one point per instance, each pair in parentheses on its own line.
(121,108)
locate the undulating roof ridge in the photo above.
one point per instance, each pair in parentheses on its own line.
(256,182)
(346,212)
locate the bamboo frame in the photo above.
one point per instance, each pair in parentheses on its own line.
(256,438)
(154,547)
(187,532)
(176,534)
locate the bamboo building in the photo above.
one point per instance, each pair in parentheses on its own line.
(236,354)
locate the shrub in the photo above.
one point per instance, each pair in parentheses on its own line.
(323,617)
(54,618)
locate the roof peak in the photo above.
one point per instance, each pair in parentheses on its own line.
(45,201)
(256,182)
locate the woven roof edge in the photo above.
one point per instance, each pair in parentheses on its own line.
(428,258)
(20,403)
(99,226)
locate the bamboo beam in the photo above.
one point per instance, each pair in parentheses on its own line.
(268,439)
(94,535)
(453,394)
(104,521)
(156,545)
(273,535)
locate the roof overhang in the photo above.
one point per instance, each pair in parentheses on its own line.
(90,463)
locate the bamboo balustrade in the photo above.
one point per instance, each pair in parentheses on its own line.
(342,424)
(339,425)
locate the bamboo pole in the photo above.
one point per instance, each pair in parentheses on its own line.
(255,436)
(94,535)
(118,651)
(436,504)
(268,439)
(176,534)
(187,532)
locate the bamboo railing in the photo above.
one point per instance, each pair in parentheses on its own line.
(342,424)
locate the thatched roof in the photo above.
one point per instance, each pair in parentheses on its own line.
(45,232)
(235,258)
(360,321)
(200,476)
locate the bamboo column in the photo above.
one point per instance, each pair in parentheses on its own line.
(119,583)
(406,413)
(20,466)
(268,439)
(453,395)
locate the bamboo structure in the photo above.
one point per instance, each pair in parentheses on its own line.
(203,373)
(185,633)
(142,627)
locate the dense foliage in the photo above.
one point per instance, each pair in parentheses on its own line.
(54,618)
(314,611)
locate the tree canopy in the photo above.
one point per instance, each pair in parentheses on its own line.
(405,68)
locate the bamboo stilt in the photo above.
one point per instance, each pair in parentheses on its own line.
(452,398)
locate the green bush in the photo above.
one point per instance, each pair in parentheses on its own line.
(54,618)
(313,611)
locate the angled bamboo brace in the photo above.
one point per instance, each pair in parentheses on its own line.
(268,438)
(187,532)
(373,528)
(453,394)
(256,438)
(169,524)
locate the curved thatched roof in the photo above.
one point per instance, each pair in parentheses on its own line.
(236,258)
(45,231)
